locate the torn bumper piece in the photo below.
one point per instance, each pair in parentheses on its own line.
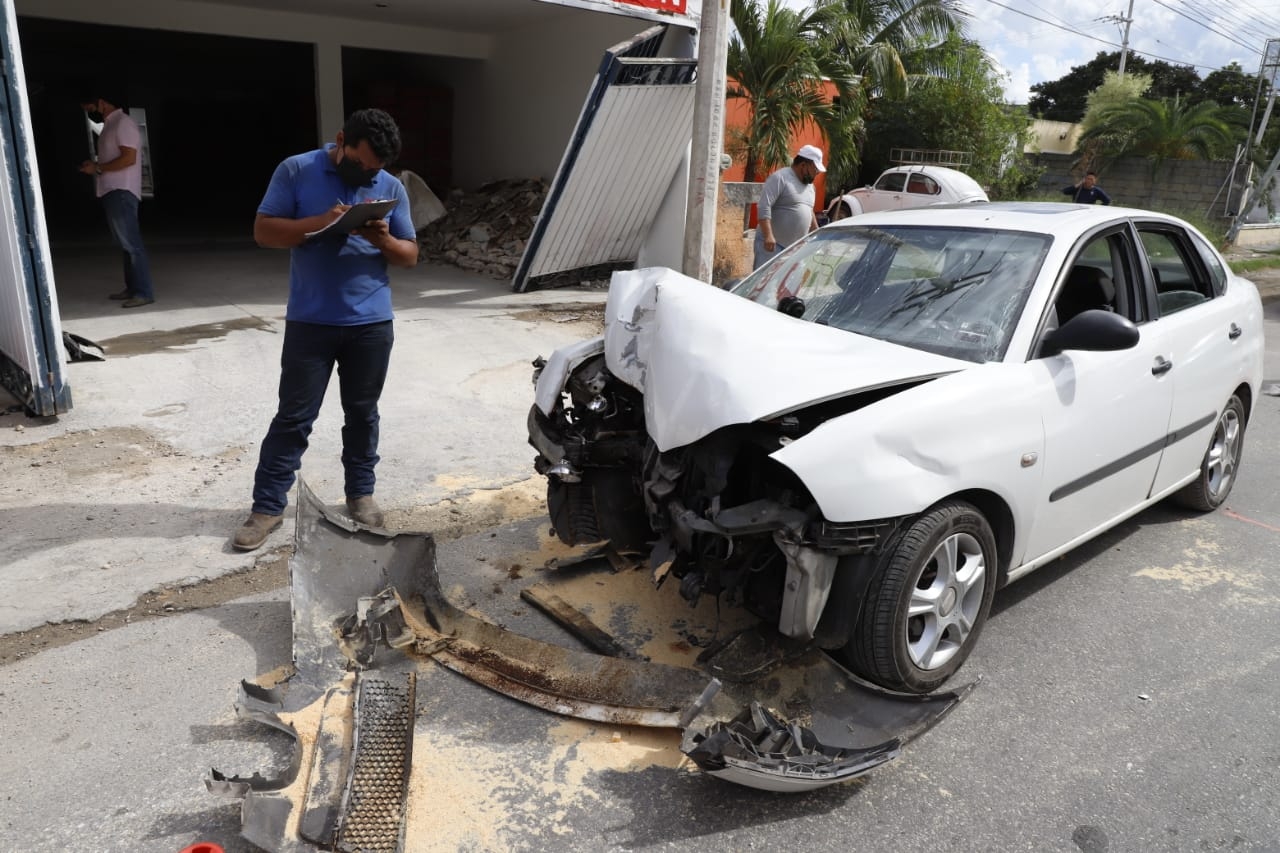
(369,613)
(760,750)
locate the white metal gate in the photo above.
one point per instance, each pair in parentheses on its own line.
(32,359)
(630,140)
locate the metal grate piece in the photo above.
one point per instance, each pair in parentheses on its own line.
(373,815)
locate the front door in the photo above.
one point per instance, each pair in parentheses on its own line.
(1106,414)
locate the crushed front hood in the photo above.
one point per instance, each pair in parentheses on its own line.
(705,358)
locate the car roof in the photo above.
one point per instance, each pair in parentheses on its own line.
(957,179)
(1059,218)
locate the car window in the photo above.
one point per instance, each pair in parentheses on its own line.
(891,182)
(1178,275)
(923,185)
(1102,275)
(1217,273)
(953,291)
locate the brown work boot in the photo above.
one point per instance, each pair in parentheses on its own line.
(255,530)
(365,510)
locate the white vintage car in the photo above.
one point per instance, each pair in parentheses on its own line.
(909,186)
(870,434)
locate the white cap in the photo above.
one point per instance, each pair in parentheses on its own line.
(814,154)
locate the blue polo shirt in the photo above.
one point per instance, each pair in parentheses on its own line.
(339,282)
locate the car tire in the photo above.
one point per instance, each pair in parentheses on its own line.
(1221,462)
(927,601)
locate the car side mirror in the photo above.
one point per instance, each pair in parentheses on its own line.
(1094,330)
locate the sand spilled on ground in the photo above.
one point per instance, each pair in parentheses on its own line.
(657,623)
(473,795)
(476,509)
(1200,569)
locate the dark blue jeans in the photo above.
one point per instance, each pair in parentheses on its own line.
(310,352)
(121,207)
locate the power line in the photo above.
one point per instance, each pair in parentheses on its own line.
(1240,15)
(1199,23)
(1082,34)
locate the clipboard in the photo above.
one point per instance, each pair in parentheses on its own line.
(357,216)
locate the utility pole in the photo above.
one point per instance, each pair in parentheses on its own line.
(1124,41)
(708,139)
(1269,73)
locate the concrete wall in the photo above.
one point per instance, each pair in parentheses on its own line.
(530,96)
(1180,184)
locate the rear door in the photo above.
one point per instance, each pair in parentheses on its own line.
(1202,330)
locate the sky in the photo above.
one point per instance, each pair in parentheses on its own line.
(1033,41)
(1037,40)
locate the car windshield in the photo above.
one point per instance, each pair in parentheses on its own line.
(953,291)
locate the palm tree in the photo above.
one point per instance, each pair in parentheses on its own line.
(778,62)
(1166,129)
(882,37)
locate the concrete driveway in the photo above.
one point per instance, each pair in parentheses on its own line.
(141,484)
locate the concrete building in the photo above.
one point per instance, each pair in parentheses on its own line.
(482,90)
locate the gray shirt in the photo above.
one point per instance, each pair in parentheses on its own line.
(787,202)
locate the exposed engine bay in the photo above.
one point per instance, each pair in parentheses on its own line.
(719,515)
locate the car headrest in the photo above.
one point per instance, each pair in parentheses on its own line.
(1090,284)
(1086,287)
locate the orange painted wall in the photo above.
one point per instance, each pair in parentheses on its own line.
(737,115)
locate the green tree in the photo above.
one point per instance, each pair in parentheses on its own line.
(891,45)
(1230,86)
(777,62)
(883,38)
(1066,98)
(1236,92)
(959,109)
(1114,93)
(1166,129)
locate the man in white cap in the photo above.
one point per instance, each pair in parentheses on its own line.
(785,210)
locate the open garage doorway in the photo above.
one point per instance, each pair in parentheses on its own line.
(418,92)
(221,113)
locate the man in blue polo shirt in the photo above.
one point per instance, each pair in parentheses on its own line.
(339,310)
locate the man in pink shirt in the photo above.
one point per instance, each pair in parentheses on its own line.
(118,182)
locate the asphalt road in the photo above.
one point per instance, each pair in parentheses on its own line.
(1127,701)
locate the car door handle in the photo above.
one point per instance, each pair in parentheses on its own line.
(1161,367)
(1235,332)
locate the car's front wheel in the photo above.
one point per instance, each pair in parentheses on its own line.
(927,601)
(1221,462)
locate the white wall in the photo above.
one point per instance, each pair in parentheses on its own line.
(532,91)
(195,17)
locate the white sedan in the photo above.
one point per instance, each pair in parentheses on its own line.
(908,186)
(870,434)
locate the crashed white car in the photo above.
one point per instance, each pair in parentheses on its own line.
(910,186)
(869,435)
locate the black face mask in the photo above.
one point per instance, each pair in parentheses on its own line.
(94,116)
(355,175)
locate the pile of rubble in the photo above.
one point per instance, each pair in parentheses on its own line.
(485,231)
